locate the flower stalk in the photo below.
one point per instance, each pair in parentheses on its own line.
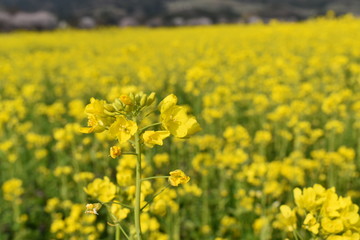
(137,185)
(122,119)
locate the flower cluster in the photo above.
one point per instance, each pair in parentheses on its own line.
(124,120)
(322,214)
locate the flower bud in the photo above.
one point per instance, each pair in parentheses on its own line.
(118,105)
(150,99)
(109,107)
(138,97)
(115,151)
(126,100)
(143,100)
(109,113)
(132,97)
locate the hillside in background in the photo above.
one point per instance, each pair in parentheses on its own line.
(177,12)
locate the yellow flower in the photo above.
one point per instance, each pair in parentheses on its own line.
(175,118)
(178,177)
(101,189)
(115,151)
(332,226)
(125,99)
(97,119)
(167,103)
(311,224)
(262,137)
(178,123)
(96,107)
(92,208)
(286,219)
(309,198)
(119,212)
(123,129)
(12,189)
(155,137)
(93,125)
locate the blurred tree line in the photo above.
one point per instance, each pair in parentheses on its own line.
(108,12)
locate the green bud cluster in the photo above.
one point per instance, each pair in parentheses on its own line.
(130,104)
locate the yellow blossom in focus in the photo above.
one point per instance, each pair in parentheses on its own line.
(175,118)
(311,224)
(167,103)
(178,123)
(123,129)
(332,226)
(98,121)
(125,99)
(155,137)
(115,151)
(178,177)
(286,219)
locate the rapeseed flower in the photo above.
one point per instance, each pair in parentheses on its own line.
(175,118)
(155,137)
(115,151)
(12,189)
(123,129)
(101,189)
(178,177)
(98,120)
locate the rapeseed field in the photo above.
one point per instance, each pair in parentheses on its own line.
(213,133)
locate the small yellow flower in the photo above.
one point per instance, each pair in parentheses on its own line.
(97,119)
(155,137)
(12,189)
(175,119)
(332,225)
(311,224)
(102,189)
(115,151)
(178,177)
(178,123)
(167,103)
(93,208)
(123,129)
(125,99)
(93,125)
(119,212)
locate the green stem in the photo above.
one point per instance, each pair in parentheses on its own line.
(149,126)
(128,153)
(117,233)
(155,177)
(137,185)
(295,235)
(118,226)
(122,204)
(154,197)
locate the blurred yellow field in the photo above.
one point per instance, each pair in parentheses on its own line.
(277,157)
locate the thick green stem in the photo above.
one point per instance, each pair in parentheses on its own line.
(117,234)
(138,186)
